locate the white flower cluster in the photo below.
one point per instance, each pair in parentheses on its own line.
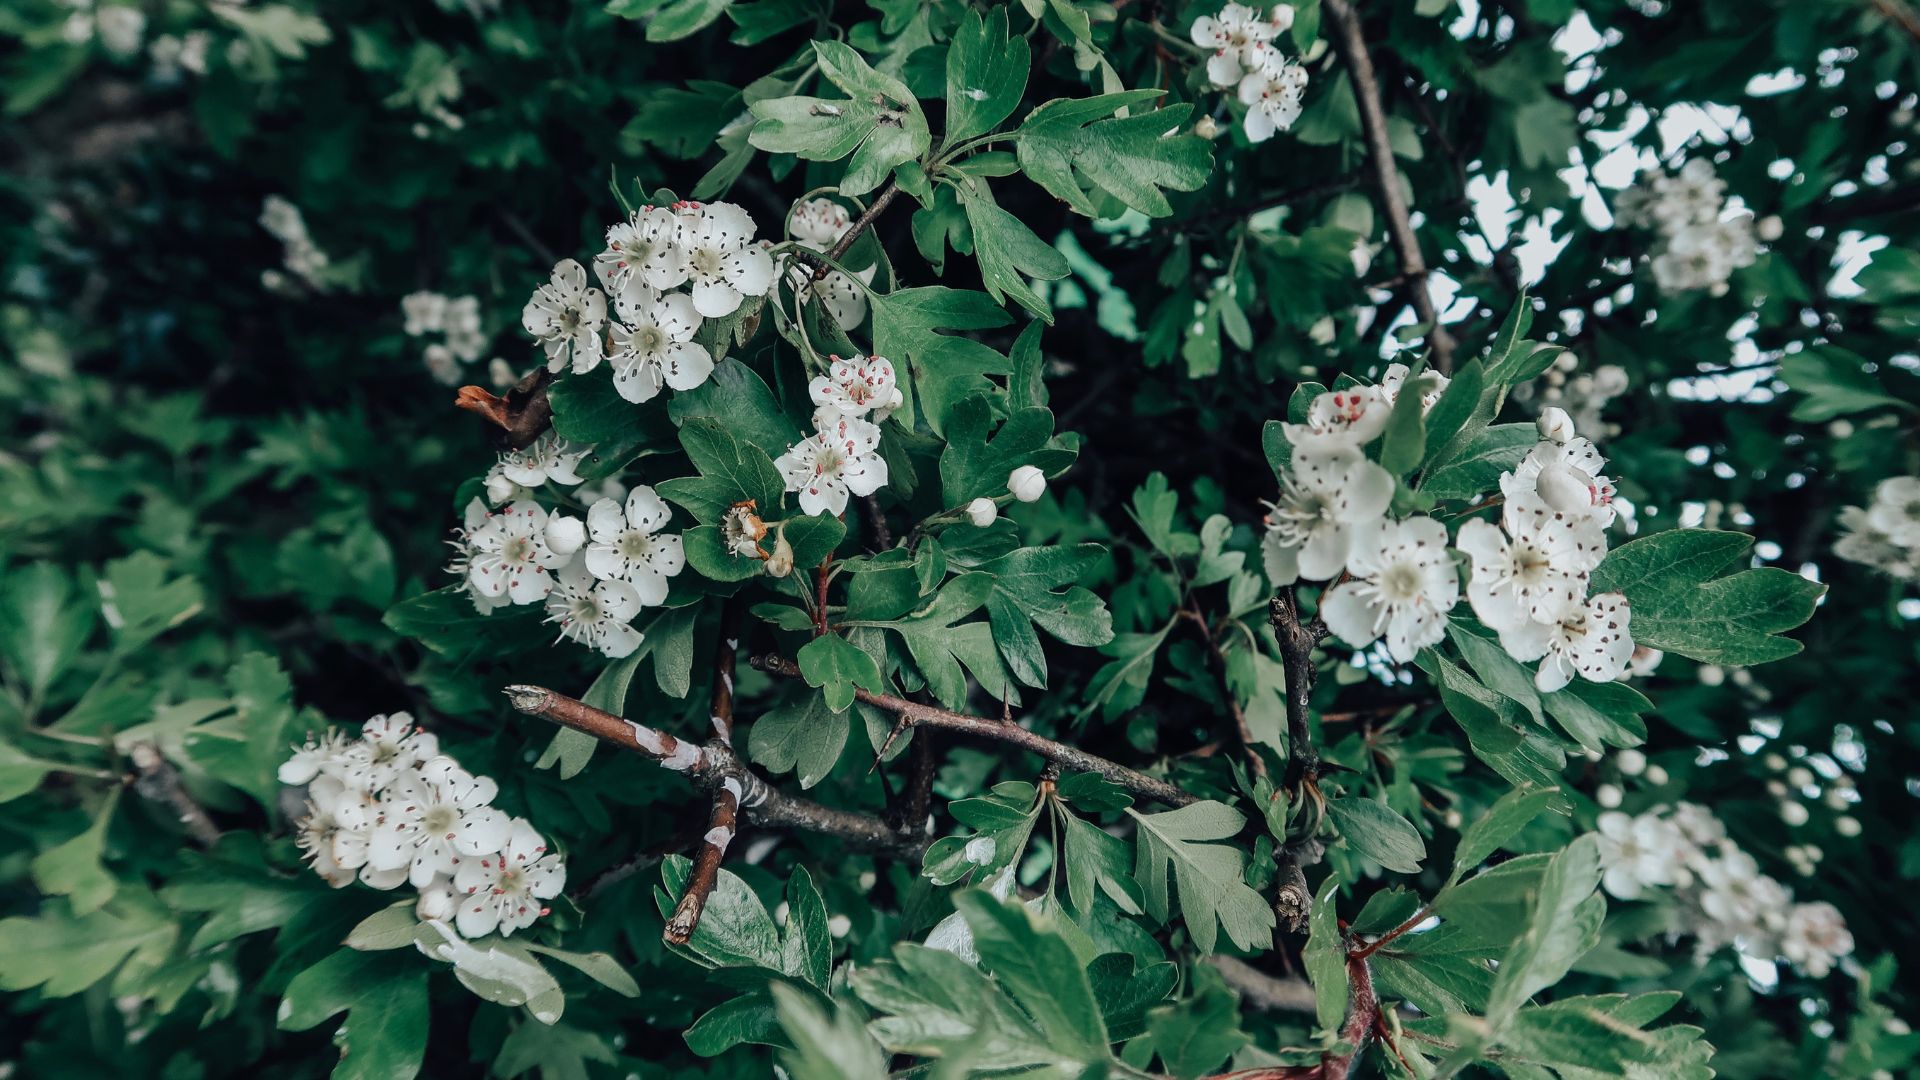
(303,258)
(1583,394)
(171,55)
(707,247)
(1720,888)
(818,225)
(594,577)
(457,317)
(1700,244)
(842,456)
(1885,534)
(388,808)
(1246,60)
(120,27)
(1398,579)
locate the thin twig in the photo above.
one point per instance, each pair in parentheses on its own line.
(877,520)
(1264,991)
(1293,900)
(914,714)
(865,221)
(1352,45)
(706,864)
(159,783)
(725,653)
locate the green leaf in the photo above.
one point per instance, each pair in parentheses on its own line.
(1126,994)
(986,75)
(1121,683)
(804,735)
(684,18)
(1207,876)
(1476,469)
(1008,251)
(1196,1036)
(879,122)
(1133,159)
(598,966)
(43,625)
(1030,959)
(942,646)
(1024,596)
(1378,833)
(1325,958)
(385,998)
(737,399)
(1464,410)
(140,603)
(749,1018)
(735,930)
(73,869)
(1404,444)
(807,950)
(1566,916)
(21,772)
(1508,815)
(740,470)
(62,954)
(1094,859)
(979,457)
(831,663)
(1496,727)
(446,622)
(946,369)
(826,1046)
(937,1004)
(1680,604)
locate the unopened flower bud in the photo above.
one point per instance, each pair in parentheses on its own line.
(1608,796)
(1027,483)
(1793,813)
(435,904)
(1561,488)
(1631,762)
(1769,228)
(500,489)
(982,511)
(1554,424)
(780,563)
(1655,775)
(1847,826)
(1799,776)
(1206,128)
(565,535)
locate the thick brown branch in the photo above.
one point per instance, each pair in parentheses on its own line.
(1352,45)
(706,863)
(709,767)
(1263,991)
(915,714)
(1293,900)
(1363,1016)
(159,783)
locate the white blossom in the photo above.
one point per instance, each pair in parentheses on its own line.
(856,386)
(510,557)
(460,566)
(982,512)
(1027,483)
(504,892)
(1554,425)
(1536,570)
(433,816)
(566,317)
(1815,935)
(1566,476)
(1403,585)
(121,28)
(550,459)
(1432,384)
(741,530)
(655,346)
(1636,852)
(627,545)
(1349,418)
(841,458)
(425,312)
(1863,543)
(1324,498)
(388,745)
(817,225)
(1235,36)
(642,249)
(1273,90)
(593,612)
(722,261)
(1895,510)
(1592,641)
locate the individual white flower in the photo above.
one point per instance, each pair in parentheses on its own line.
(841,458)
(982,511)
(1403,585)
(856,385)
(465,335)
(1273,91)
(1895,510)
(1536,569)
(475,519)
(1432,384)
(510,556)
(1027,483)
(566,317)
(1235,35)
(1636,852)
(1814,937)
(505,891)
(1324,498)
(315,835)
(655,347)
(441,364)
(1735,895)
(550,458)
(78,29)
(121,28)
(593,612)
(723,262)
(388,746)
(432,817)
(1862,543)
(642,249)
(1349,418)
(1592,641)
(818,225)
(628,545)
(425,312)
(311,757)
(1566,476)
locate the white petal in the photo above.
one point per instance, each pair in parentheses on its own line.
(645,511)
(481,832)
(1325,553)
(1349,616)
(715,299)
(750,271)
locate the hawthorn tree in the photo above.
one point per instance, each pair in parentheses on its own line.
(1315,540)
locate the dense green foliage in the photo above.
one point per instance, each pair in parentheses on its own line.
(234,462)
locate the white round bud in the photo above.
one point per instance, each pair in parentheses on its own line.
(1554,424)
(1840,429)
(565,534)
(1206,127)
(1719,288)
(1656,775)
(1608,796)
(1793,813)
(1799,776)
(1610,380)
(1769,228)
(780,563)
(1632,762)
(982,511)
(1774,762)
(1847,826)
(500,489)
(839,925)
(1712,675)
(1027,483)
(1776,789)
(435,903)
(1564,489)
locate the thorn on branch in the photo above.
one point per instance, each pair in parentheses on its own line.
(706,864)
